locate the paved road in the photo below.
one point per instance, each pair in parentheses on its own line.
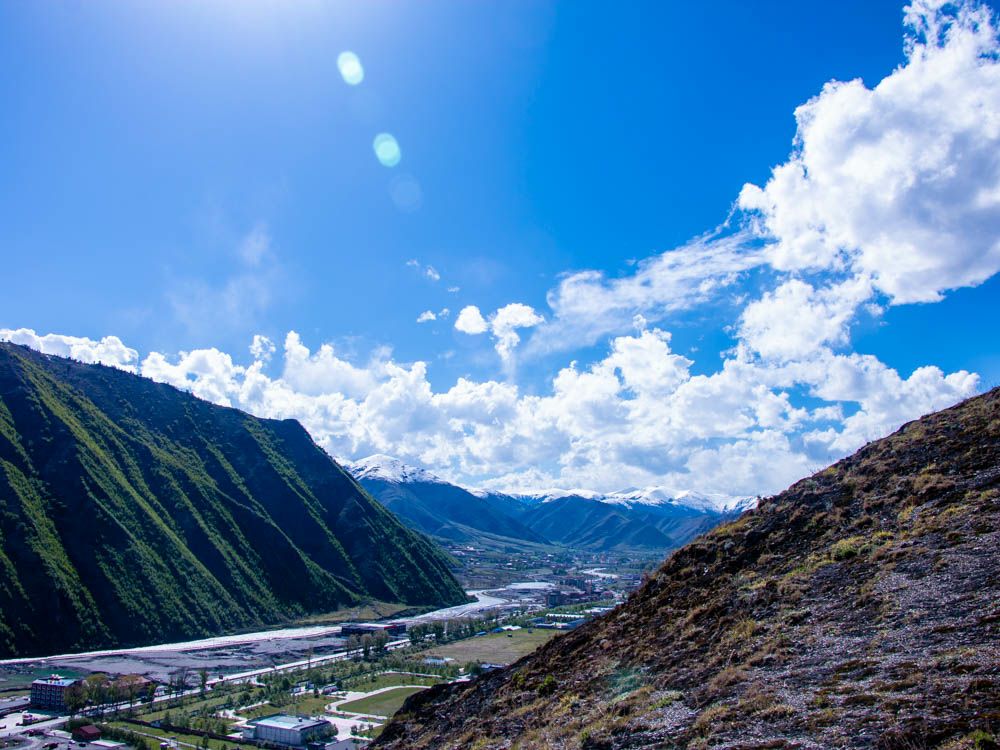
(8,725)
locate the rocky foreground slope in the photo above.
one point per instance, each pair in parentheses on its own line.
(859,608)
(132,512)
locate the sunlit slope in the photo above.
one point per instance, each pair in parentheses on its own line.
(132,512)
(860,608)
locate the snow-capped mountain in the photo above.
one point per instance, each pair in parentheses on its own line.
(681,498)
(389,469)
(427,503)
(654,518)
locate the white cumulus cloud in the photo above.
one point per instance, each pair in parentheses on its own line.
(261,348)
(899,183)
(505,322)
(502,325)
(638,415)
(107,351)
(471,321)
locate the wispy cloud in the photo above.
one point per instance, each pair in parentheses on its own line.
(428,316)
(427,271)
(587,305)
(237,300)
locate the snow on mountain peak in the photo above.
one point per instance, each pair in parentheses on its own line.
(392,469)
(684,498)
(389,469)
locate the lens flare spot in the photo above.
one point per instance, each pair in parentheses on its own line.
(350,68)
(387,150)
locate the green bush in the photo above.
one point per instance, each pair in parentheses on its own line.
(548,685)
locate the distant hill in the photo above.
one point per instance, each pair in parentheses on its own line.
(639,520)
(860,608)
(433,506)
(132,512)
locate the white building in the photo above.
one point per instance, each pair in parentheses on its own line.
(351,743)
(282,729)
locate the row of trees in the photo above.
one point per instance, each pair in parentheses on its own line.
(370,645)
(100,691)
(443,631)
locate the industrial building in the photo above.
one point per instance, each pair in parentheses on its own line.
(50,692)
(296,731)
(370,628)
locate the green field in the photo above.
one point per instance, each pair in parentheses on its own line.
(495,648)
(184,709)
(381,704)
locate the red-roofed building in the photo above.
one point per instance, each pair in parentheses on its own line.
(87,733)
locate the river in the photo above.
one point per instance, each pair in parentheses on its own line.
(237,650)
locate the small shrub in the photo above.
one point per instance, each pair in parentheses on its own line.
(724,679)
(667,699)
(742,631)
(845,549)
(548,685)
(712,715)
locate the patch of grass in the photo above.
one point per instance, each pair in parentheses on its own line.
(548,685)
(495,648)
(742,631)
(725,679)
(710,717)
(307,705)
(380,704)
(845,549)
(365,613)
(667,699)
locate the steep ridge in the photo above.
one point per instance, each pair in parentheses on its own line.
(859,608)
(132,512)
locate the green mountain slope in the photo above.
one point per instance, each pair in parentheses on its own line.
(132,512)
(860,608)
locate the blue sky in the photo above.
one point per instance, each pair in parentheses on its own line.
(187,176)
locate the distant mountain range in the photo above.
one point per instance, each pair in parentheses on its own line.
(652,519)
(860,608)
(132,512)
(435,507)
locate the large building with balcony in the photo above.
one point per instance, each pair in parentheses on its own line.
(50,692)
